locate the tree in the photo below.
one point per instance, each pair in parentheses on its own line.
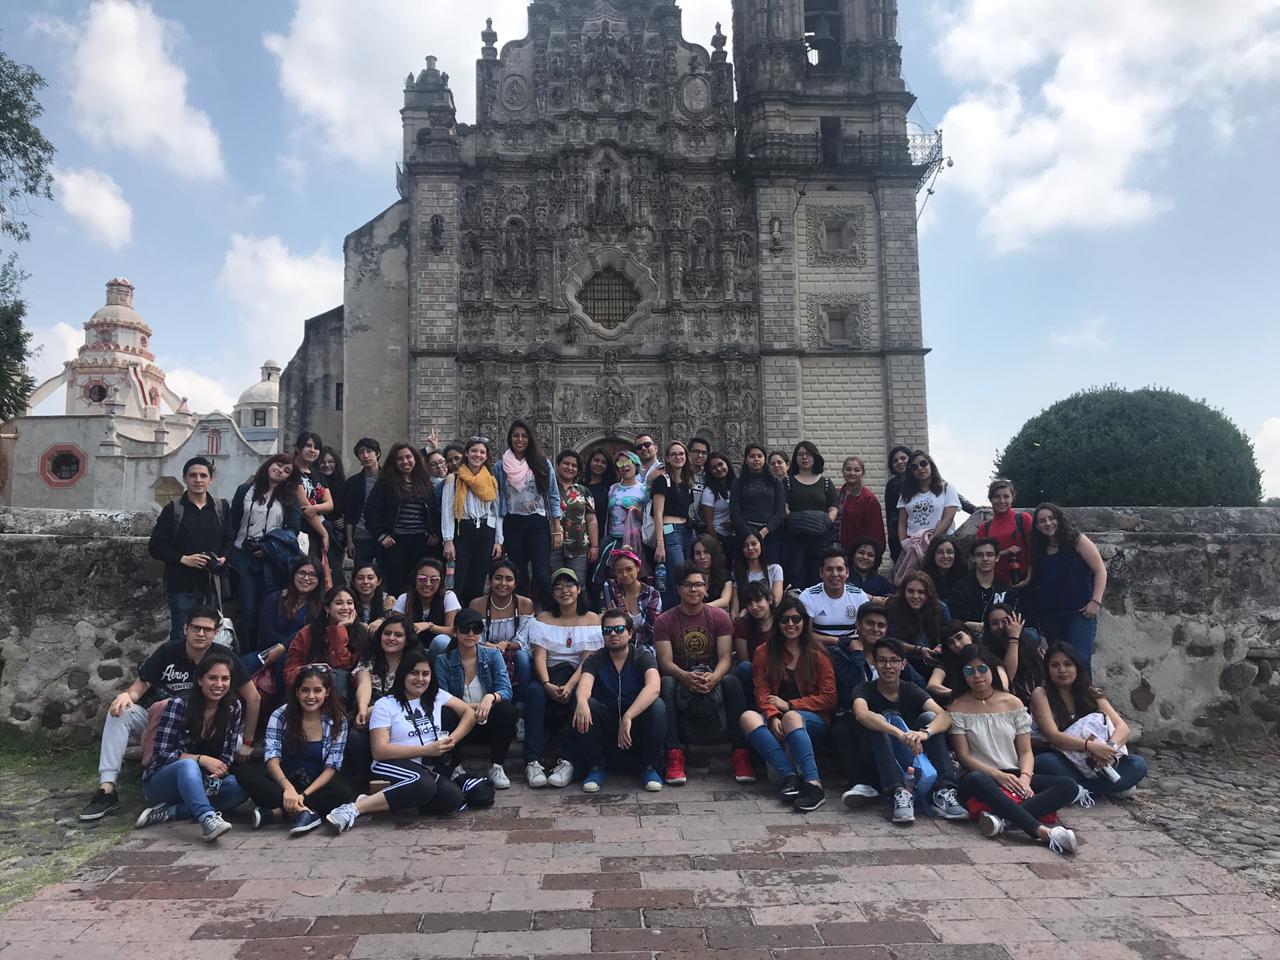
(1150,447)
(15,344)
(25,155)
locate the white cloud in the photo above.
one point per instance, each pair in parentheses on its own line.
(204,394)
(129,92)
(51,346)
(1090,332)
(93,198)
(1266,446)
(1066,106)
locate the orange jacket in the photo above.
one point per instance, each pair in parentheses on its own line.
(821,699)
(337,653)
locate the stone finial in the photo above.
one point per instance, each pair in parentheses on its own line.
(718,40)
(490,37)
(119,292)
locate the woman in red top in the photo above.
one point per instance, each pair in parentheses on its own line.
(859,514)
(795,692)
(1011,529)
(333,638)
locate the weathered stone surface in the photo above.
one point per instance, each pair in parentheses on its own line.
(1238,676)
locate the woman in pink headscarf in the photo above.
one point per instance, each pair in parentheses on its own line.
(626,591)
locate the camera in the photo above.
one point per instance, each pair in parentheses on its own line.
(214,562)
(251,544)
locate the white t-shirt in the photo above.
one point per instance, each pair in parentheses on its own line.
(719,511)
(924,510)
(834,616)
(771,576)
(450,602)
(565,644)
(409,730)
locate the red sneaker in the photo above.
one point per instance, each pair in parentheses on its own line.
(742,771)
(675,768)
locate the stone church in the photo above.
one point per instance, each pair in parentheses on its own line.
(636,235)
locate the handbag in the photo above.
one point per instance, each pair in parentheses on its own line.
(808,524)
(1099,726)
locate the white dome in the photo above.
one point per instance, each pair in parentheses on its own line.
(264,391)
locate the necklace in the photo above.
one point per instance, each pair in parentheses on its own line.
(980,699)
(507,606)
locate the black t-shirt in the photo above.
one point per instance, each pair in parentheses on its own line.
(970,601)
(171,672)
(679,498)
(910,704)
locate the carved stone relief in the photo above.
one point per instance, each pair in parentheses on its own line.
(837,234)
(854,310)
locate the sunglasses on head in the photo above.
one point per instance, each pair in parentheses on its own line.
(980,670)
(614,628)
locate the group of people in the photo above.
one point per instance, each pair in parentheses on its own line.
(608,611)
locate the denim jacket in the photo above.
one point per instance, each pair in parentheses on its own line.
(490,669)
(550,499)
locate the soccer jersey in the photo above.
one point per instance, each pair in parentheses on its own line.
(834,616)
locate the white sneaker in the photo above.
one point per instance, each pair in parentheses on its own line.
(1084,798)
(534,775)
(213,826)
(343,818)
(1062,840)
(458,771)
(989,825)
(562,775)
(498,777)
(859,795)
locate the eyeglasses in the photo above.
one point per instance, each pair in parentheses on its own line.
(892,663)
(791,618)
(306,575)
(980,670)
(694,585)
(201,631)
(616,628)
(427,579)
(920,465)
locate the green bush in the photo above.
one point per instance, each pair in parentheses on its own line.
(1120,448)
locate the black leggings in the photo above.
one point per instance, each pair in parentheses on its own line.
(498,732)
(1051,794)
(415,786)
(265,792)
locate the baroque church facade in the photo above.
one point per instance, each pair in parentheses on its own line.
(626,242)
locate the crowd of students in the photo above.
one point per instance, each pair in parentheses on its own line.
(606,612)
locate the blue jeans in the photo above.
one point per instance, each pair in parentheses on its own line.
(742,670)
(1131,768)
(180,605)
(677,544)
(795,754)
(1077,630)
(181,785)
(257,577)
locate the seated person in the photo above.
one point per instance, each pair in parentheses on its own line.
(865,557)
(506,616)
(948,676)
(477,675)
(971,598)
(926,723)
(753,628)
(169,672)
(303,751)
(1018,647)
(618,710)
(333,638)
(795,697)
(1082,726)
(915,615)
(1011,530)
(833,604)
(372,603)
(429,606)
(694,644)
(284,613)
(991,737)
(374,676)
(189,776)
(945,564)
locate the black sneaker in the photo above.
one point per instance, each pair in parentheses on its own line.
(101,804)
(791,786)
(811,797)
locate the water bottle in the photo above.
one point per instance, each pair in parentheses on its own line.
(449,569)
(660,578)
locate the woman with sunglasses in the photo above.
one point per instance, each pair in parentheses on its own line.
(991,737)
(560,641)
(469,520)
(795,698)
(477,675)
(429,606)
(628,592)
(627,501)
(926,508)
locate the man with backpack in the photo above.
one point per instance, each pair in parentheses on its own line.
(192,536)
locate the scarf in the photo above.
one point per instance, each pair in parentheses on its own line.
(517,470)
(482,484)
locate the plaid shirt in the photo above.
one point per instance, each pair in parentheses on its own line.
(333,746)
(649,605)
(173,740)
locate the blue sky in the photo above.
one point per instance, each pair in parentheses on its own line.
(1109,218)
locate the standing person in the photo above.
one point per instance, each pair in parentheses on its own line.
(694,644)
(360,543)
(477,675)
(1069,578)
(454,454)
(672,490)
(506,620)
(779,464)
(628,592)
(314,498)
(862,573)
(437,470)
(811,515)
(758,503)
(429,606)
(189,776)
(469,523)
(303,751)
(529,508)
(858,512)
(832,603)
(618,711)
(284,613)
(899,457)
(749,566)
(372,602)
(699,451)
(258,507)
(926,508)
(580,548)
(334,639)
(601,475)
(1011,529)
(706,555)
(715,502)
(192,536)
(402,515)
(330,468)
(627,500)
(646,449)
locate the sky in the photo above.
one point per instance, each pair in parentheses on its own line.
(1109,218)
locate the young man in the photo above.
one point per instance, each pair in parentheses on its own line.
(1011,530)
(192,536)
(926,723)
(619,712)
(974,595)
(699,450)
(694,644)
(168,672)
(360,545)
(647,450)
(833,604)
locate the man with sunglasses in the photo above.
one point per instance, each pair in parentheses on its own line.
(618,713)
(833,604)
(875,705)
(646,449)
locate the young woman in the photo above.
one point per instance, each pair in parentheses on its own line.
(437,469)
(285,613)
(333,638)
(313,496)
(1018,649)
(330,468)
(672,492)
(864,559)
(374,677)
(372,602)
(529,505)
(559,641)
(991,737)
(1011,529)
(858,512)
(477,675)
(506,619)
(601,475)
(779,464)
(795,698)
(401,514)
(926,508)
(410,744)
(753,628)
(899,457)
(626,591)
(627,500)
(303,752)
(261,505)
(749,567)
(189,776)
(758,503)
(581,546)
(1070,580)
(915,617)
(469,520)
(705,552)
(944,564)
(811,514)
(429,606)
(715,501)
(1082,726)
(948,675)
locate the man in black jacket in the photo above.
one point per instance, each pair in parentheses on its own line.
(360,543)
(192,536)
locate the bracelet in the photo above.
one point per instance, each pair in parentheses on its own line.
(1091,600)
(1024,773)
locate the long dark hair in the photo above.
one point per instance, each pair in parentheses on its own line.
(741,570)
(337,482)
(413,600)
(378,656)
(331,708)
(1067,537)
(1084,695)
(719,488)
(303,437)
(532,455)
(893,452)
(411,657)
(196,702)
(909,625)
(943,580)
(912,486)
(951,663)
(718,575)
(758,591)
(262,483)
(291,600)
(610,471)
(775,652)
(1031,672)
(818,463)
(377,602)
(975,653)
(319,625)
(747,450)
(500,564)
(419,484)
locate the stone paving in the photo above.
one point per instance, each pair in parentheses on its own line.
(708,870)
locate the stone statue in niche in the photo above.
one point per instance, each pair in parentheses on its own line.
(516,258)
(775,235)
(606,196)
(700,254)
(437,232)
